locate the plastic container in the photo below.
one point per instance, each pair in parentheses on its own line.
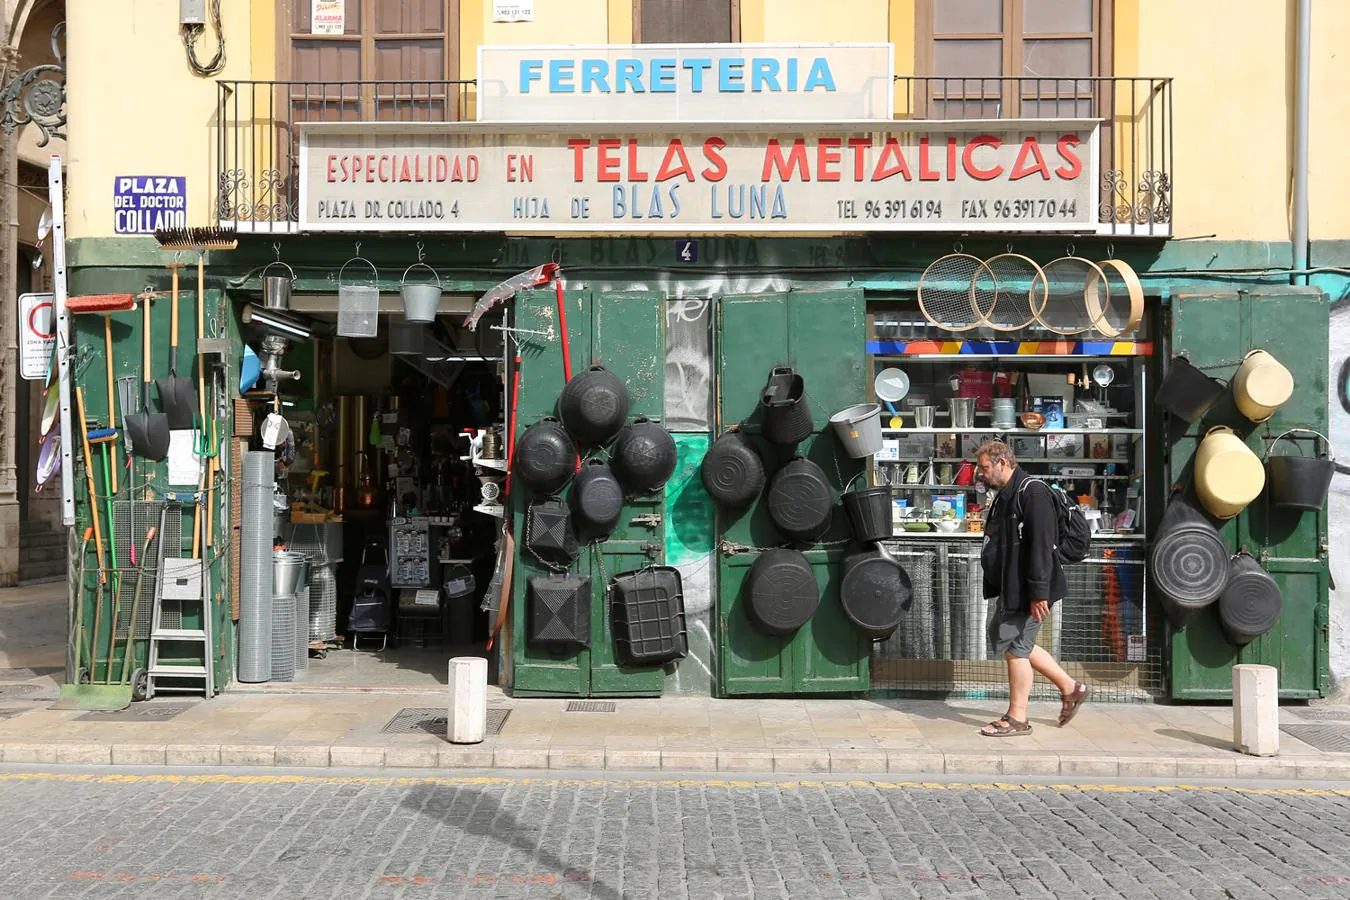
(787,415)
(869,514)
(800,501)
(593,406)
(596,499)
(545,457)
(1261,385)
(559,608)
(1186,392)
(1228,475)
(858,429)
(1251,602)
(780,592)
(875,592)
(644,456)
(1299,482)
(1188,562)
(649,625)
(732,471)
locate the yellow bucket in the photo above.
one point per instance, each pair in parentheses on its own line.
(1261,386)
(1228,475)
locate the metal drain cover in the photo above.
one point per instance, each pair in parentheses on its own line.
(1323,713)
(424,720)
(1327,738)
(139,712)
(590,706)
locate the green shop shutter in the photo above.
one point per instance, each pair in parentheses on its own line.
(1215,331)
(822,336)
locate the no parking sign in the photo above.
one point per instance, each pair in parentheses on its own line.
(37,335)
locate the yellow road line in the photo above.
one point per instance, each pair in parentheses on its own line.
(733,784)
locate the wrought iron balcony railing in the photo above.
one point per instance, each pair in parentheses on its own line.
(257,146)
(1136,137)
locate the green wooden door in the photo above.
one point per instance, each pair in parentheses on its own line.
(625,332)
(821,335)
(1215,331)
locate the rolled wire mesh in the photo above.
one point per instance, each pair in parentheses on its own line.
(1020,292)
(1068,309)
(957,292)
(1099,631)
(255,570)
(301,630)
(314,540)
(283,637)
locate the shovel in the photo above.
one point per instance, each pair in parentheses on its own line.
(149,431)
(177,396)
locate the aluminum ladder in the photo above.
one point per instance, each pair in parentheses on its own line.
(184,581)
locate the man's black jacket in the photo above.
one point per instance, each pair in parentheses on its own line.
(1019,556)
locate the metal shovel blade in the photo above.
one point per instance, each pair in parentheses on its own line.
(149,435)
(178,399)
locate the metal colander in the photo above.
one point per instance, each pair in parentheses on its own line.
(1070,280)
(1020,292)
(957,292)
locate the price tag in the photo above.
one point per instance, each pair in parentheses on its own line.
(426,598)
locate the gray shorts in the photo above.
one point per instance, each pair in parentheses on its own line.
(1012,632)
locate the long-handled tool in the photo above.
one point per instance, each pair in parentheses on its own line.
(107,304)
(562,328)
(78,673)
(176,395)
(106,439)
(129,650)
(149,431)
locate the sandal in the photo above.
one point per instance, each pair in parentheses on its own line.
(1006,727)
(1071,703)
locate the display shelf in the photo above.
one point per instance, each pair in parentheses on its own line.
(991,428)
(900,536)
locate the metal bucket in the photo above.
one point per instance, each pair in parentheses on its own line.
(858,429)
(1300,482)
(962,412)
(420,299)
(288,568)
(277,288)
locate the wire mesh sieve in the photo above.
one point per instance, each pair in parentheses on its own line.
(1020,292)
(957,292)
(1076,295)
(1125,298)
(358,304)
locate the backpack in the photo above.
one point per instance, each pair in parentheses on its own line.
(1072,533)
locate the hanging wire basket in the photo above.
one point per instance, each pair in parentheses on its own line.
(359,304)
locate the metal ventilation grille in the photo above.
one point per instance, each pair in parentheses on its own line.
(590,706)
(424,720)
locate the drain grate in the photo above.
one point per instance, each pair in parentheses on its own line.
(139,712)
(590,706)
(1323,713)
(1327,738)
(430,720)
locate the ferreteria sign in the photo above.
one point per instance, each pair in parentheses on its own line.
(686,83)
(1010,175)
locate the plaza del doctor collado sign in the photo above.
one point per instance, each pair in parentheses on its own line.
(716,138)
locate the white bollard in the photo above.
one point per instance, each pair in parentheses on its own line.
(1256,710)
(467,716)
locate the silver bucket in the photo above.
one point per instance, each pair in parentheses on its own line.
(287,569)
(858,429)
(277,288)
(420,299)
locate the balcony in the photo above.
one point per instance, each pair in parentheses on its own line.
(1136,137)
(257,145)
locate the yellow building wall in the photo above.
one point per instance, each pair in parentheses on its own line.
(813,20)
(146,114)
(1329,129)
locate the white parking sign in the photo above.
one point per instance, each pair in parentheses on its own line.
(37,335)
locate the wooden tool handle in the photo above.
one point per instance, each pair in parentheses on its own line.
(173,327)
(89,474)
(146,376)
(112,392)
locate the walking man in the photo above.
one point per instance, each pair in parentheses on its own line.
(1023,570)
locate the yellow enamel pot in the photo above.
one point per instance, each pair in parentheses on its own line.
(1228,475)
(1261,386)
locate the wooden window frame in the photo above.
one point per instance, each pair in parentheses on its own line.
(1013,38)
(735,13)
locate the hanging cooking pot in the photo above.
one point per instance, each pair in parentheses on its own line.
(1228,475)
(545,457)
(596,499)
(780,591)
(787,416)
(1188,562)
(800,501)
(1300,482)
(875,592)
(1251,601)
(1261,385)
(732,471)
(593,406)
(1186,392)
(644,456)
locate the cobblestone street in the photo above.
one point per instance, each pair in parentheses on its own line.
(297,836)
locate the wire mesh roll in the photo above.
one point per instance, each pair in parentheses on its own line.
(283,637)
(1077,297)
(301,630)
(255,569)
(957,292)
(322,604)
(1019,291)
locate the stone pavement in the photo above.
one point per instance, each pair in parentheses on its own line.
(170,836)
(345,728)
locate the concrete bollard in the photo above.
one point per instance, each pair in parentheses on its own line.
(466,719)
(1256,710)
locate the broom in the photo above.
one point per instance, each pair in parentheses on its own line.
(201,240)
(106,304)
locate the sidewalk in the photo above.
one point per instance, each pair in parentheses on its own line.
(351,729)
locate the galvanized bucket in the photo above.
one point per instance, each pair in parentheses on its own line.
(277,288)
(420,299)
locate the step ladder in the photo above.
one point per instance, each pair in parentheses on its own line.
(184,581)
